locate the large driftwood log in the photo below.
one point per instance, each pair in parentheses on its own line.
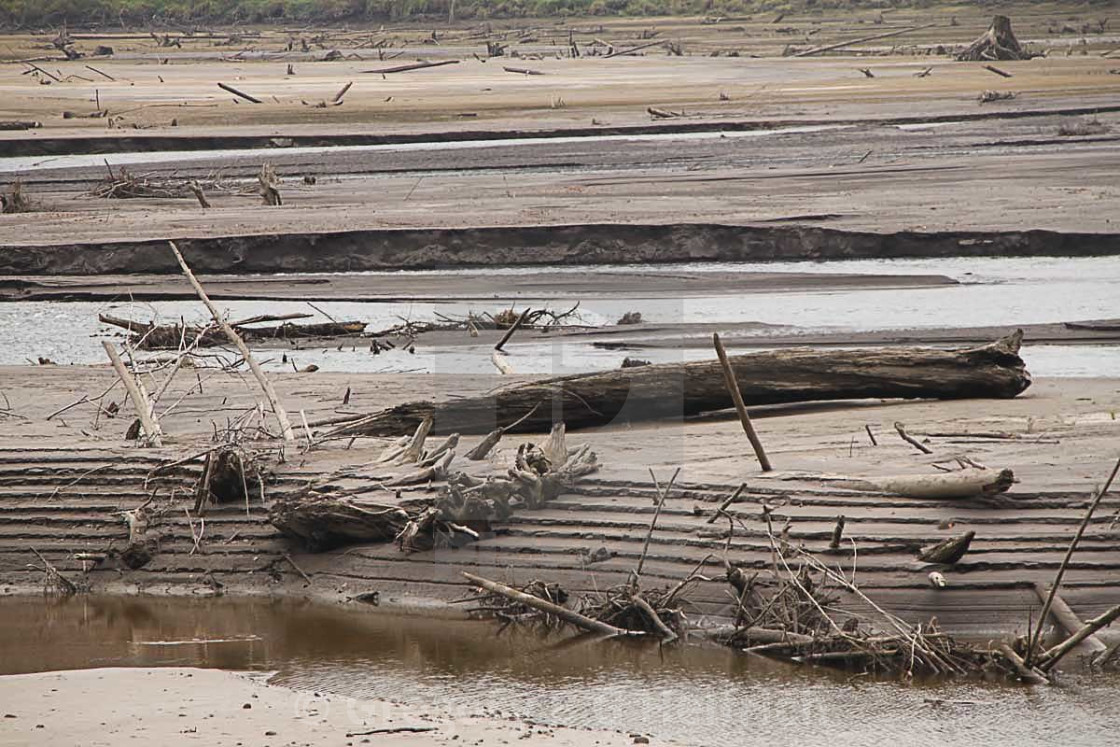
(325,522)
(674,390)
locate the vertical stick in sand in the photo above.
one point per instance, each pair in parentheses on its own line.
(139,397)
(266,385)
(740,407)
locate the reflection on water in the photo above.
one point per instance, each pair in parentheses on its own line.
(696,694)
(992,292)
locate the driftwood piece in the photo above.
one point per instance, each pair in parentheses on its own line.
(873,37)
(11,124)
(1066,617)
(964,483)
(911,440)
(485,446)
(239,94)
(268,181)
(1051,657)
(727,502)
(740,407)
(153,436)
(563,613)
(949,551)
(837,533)
(676,390)
(632,50)
(414,66)
(329,521)
(1026,673)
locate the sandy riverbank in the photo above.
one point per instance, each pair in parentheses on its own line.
(177,706)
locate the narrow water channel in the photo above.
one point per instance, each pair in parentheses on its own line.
(989,292)
(696,694)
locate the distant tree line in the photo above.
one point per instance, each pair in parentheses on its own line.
(24,14)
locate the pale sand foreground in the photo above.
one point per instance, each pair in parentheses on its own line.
(204,706)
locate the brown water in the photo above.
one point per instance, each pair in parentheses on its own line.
(700,695)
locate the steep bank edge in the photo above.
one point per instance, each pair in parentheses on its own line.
(414,249)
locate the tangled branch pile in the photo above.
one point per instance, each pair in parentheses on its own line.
(124,185)
(538,319)
(151,336)
(791,613)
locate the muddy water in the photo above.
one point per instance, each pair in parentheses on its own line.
(1003,292)
(694,694)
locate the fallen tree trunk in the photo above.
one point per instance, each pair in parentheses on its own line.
(674,390)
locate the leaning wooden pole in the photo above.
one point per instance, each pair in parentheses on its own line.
(740,406)
(266,385)
(563,613)
(140,401)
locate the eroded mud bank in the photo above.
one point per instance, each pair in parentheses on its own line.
(603,243)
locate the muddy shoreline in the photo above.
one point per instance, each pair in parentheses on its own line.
(586,244)
(11,147)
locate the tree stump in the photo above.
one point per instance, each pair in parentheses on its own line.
(997,43)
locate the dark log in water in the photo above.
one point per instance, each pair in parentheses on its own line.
(674,390)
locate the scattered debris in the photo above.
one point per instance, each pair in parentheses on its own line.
(989,96)
(1081,128)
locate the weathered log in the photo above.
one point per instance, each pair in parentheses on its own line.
(326,522)
(965,483)
(675,390)
(20,125)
